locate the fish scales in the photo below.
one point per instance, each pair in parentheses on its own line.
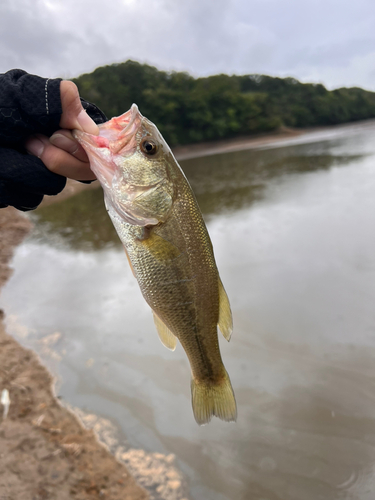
(158,220)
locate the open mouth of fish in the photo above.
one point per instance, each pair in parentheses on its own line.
(117,136)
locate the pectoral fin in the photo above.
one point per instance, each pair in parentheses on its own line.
(165,335)
(160,248)
(225,314)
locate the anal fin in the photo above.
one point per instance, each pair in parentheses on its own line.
(225,322)
(165,335)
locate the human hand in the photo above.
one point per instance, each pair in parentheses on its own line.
(33,108)
(61,153)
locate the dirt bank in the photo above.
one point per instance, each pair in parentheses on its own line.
(44,451)
(237,143)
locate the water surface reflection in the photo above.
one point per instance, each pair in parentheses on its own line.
(293,232)
(222,184)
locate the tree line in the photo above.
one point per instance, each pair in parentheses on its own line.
(188,109)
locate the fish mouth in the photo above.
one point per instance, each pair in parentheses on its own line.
(121,131)
(116,137)
(117,134)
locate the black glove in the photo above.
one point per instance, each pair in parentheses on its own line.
(29,105)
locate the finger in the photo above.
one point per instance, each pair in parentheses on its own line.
(73,115)
(63,139)
(57,160)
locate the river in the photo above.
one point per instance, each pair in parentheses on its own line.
(293,229)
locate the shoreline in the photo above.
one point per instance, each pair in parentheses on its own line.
(198,150)
(222,146)
(244,143)
(45,452)
(49,450)
(191,151)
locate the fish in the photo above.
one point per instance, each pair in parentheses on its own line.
(160,225)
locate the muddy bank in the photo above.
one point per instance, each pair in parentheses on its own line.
(237,143)
(46,452)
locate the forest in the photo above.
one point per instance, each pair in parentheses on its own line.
(189,110)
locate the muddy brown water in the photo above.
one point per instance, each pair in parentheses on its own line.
(293,228)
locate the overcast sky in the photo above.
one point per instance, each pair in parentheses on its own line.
(327,41)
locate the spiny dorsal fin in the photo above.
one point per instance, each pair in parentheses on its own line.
(225,314)
(165,335)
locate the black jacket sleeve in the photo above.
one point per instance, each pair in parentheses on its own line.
(29,104)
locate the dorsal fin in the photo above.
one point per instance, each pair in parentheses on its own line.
(225,322)
(165,335)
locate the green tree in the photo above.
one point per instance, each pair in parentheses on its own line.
(188,109)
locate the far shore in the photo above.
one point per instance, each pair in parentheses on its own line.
(236,143)
(199,150)
(243,143)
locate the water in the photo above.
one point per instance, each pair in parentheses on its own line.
(293,233)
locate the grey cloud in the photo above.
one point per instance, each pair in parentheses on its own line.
(337,54)
(326,40)
(28,40)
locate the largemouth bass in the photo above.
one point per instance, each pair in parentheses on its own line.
(158,220)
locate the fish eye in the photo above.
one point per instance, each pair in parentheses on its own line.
(149,147)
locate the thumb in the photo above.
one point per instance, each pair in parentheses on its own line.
(73,115)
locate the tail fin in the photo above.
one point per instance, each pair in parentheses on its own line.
(209,400)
